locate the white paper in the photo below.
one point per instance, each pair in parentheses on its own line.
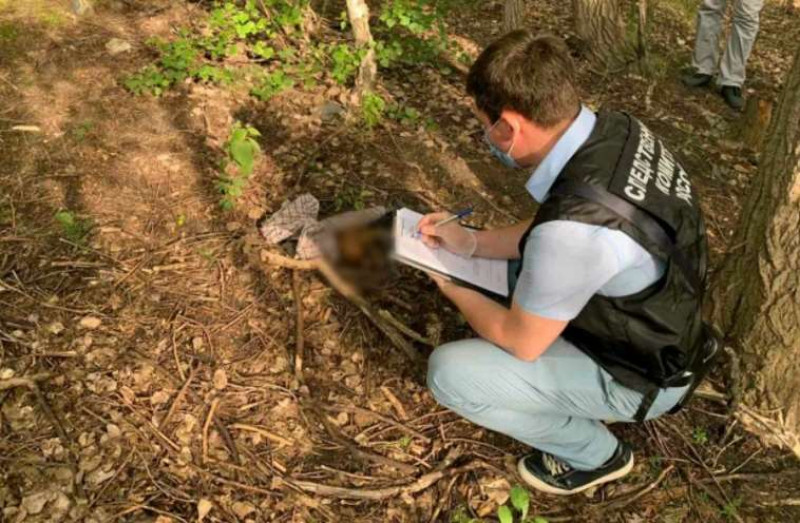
(485,273)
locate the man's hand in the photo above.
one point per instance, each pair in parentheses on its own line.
(451,236)
(441,281)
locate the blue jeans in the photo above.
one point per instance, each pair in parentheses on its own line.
(556,403)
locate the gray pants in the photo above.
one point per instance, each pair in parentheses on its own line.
(740,42)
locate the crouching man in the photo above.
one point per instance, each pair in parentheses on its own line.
(604,323)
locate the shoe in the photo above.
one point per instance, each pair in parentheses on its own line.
(547,473)
(733,96)
(696,79)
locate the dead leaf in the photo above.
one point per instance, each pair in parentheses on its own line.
(34,503)
(203,508)
(159,398)
(220,379)
(242,509)
(90,322)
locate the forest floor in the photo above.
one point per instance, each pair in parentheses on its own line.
(170,388)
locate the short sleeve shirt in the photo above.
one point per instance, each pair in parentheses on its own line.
(565,263)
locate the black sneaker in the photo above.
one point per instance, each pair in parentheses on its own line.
(733,96)
(547,473)
(696,79)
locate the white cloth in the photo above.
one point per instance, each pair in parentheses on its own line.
(317,238)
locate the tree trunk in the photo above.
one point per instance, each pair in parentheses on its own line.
(641,32)
(513,14)
(358,12)
(600,25)
(755,298)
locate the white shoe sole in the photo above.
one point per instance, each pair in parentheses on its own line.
(540,485)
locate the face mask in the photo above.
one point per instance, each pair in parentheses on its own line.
(504,157)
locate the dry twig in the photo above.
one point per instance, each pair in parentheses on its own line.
(358,410)
(178,398)
(348,292)
(206,425)
(298,303)
(422,483)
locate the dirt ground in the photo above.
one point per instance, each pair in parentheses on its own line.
(164,351)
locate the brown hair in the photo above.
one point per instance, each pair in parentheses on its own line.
(532,75)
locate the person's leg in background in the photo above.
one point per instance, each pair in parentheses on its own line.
(553,404)
(706,44)
(740,42)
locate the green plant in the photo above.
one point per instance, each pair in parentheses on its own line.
(460,515)
(700,436)
(272,84)
(412,31)
(405,441)
(80,131)
(521,502)
(73,228)
(148,80)
(372,109)
(404,114)
(178,60)
(349,197)
(731,509)
(241,151)
(345,60)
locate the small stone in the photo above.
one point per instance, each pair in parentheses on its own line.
(6,374)
(90,322)
(116,46)
(330,110)
(220,379)
(197,343)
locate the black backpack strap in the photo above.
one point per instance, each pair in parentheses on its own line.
(639,218)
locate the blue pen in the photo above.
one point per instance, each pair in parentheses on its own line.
(457,216)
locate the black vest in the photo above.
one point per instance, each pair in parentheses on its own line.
(624,178)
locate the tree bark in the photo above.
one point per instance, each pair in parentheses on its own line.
(358,13)
(513,14)
(754,124)
(755,298)
(600,25)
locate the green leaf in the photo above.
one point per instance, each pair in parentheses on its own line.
(65,218)
(540,519)
(504,514)
(243,154)
(521,500)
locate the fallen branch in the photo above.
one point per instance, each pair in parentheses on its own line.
(346,290)
(386,315)
(263,432)
(358,410)
(26,381)
(360,454)
(769,430)
(226,437)
(422,483)
(617,504)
